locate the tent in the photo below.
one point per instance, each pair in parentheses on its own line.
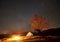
(29,34)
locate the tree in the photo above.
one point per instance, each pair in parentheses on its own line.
(39,23)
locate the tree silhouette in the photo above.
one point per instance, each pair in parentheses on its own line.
(39,23)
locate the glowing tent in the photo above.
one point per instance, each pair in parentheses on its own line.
(29,34)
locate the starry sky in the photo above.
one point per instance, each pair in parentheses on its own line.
(15,15)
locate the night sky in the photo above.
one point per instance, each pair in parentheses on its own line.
(15,15)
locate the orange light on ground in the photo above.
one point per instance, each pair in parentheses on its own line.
(15,37)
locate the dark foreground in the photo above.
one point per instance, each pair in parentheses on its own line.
(37,39)
(44,39)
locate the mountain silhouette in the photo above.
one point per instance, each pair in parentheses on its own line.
(55,32)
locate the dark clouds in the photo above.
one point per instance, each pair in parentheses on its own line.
(17,14)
